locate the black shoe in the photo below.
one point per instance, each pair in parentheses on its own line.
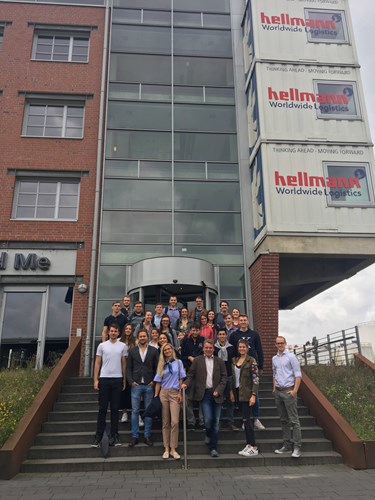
(190,427)
(133,442)
(115,440)
(200,426)
(148,441)
(96,442)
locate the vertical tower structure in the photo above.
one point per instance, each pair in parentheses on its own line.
(310,154)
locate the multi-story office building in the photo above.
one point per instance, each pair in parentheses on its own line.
(236,154)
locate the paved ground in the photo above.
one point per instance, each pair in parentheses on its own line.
(306,482)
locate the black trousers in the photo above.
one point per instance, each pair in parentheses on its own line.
(247,417)
(109,392)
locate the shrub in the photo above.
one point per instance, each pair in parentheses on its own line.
(18,389)
(351,390)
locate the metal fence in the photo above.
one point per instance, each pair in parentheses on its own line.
(335,349)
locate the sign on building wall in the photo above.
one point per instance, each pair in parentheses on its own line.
(303,102)
(298,30)
(313,188)
(37,262)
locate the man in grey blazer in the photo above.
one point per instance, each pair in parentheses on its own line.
(140,373)
(209,377)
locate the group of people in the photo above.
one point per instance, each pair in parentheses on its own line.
(214,357)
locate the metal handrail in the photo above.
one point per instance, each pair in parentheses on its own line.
(185,466)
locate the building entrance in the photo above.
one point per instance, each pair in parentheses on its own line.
(154,280)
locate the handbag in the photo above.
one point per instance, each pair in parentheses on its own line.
(154,408)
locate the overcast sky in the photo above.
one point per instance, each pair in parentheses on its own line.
(352,301)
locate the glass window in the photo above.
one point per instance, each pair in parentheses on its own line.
(205,147)
(139,115)
(208,228)
(121,168)
(200,42)
(53,120)
(49,46)
(155,169)
(140,68)
(187,19)
(59,313)
(232,282)
(202,5)
(111,282)
(127,16)
(143,4)
(216,254)
(1,36)
(219,95)
(326,26)
(137,227)
(135,144)
(23,326)
(124,91)
(203,71)
(156,93)
(141,39)
(216,21)
(188,94)
(44,199)
(156,17)
(205,118)
(335,100)
(222,171)
(221,196)
(189,170)
(137,194)
(128,254)
(346,184)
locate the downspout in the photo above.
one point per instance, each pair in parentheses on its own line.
(90,333)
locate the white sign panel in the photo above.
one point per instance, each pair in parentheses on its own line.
(298,30)
(37,262)
(308,103)
(313,189)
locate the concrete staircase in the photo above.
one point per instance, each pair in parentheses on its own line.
(63,445)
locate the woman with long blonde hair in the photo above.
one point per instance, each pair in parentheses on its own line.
(169,376)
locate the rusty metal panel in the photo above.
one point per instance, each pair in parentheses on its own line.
(313,189)
(299,31)
(306,103)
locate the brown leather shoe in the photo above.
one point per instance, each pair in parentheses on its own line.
(148,442)
(133,442)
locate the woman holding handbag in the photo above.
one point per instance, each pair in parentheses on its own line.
(168,379)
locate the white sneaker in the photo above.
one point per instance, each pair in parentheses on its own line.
(241,452)
(141,423)
(258,425)
(124,417)
(296,452)
(250,451)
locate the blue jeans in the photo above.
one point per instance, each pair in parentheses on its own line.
(139,391)
(211,415)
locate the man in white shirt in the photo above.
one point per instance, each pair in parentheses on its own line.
(110,361)
(287,377)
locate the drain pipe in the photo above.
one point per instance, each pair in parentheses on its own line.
(90,331)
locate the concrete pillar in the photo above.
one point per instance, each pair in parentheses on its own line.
(264,275)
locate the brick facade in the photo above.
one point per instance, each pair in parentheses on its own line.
(264,275)
(19,73)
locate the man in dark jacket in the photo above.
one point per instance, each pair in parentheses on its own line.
(255,350)
(225,351)
(140,372)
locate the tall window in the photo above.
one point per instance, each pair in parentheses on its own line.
(44,119)
(50,46)
(1,36)
(46,199)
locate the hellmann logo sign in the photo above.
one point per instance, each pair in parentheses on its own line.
(296,98)
(284,22)
(303,184)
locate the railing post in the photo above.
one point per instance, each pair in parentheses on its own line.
(358,340)
(345,348)
(185,466)
(329,349)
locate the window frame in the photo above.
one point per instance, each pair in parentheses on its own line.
(57,204)
(64,103)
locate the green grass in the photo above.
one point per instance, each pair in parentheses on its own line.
(18,389)
(351,390)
